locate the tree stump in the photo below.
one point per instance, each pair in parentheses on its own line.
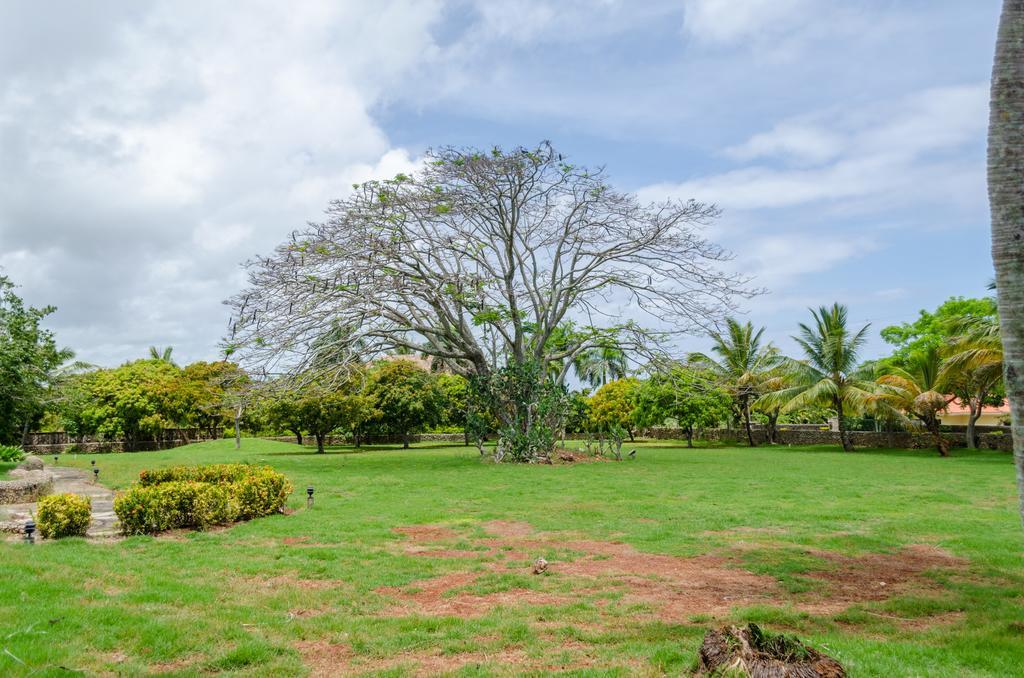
(749,651)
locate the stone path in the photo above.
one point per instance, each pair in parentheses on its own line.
(75,481)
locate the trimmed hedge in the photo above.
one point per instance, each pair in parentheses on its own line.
(200,496)
(63,515)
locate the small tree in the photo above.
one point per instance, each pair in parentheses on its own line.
(689,397)
(612,408)
(406,396)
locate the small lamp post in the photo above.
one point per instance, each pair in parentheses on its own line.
(95,475)
(30,529)
(55,458)
(93,462)
(309,497)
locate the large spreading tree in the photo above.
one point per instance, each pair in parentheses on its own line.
(477,260)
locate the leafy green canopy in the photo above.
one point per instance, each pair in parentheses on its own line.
(29,358)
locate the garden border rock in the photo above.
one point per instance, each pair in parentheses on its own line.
(27,486)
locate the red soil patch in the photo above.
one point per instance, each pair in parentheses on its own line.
(674,587)
(426,533)
(324,659)
(438,597)
(877,576)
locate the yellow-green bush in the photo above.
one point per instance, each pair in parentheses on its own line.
(63,515)
(171,498)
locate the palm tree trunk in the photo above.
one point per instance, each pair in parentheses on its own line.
(933,425)
(844,435)
(1006,198)
(746,420)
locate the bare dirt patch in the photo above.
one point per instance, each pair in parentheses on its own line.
(281,580)
(325,659)
(877,576)
(672,587)
(426,533)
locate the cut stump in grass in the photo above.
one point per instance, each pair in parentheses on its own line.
(749,651)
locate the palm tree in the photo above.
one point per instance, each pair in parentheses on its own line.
(162,356)
(601,364)
(1005,168)
(918,390)
(974,365)
(742,365)
(828,374)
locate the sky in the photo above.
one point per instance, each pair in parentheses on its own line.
(147,149)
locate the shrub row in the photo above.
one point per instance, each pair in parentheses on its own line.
(63,515)
(173,498)
(209,473)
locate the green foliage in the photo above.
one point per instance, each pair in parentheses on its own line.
(932,330)
(139,399)
(614,405)
(320,407)
(11,453)
(689,397)
(454,391)
(200,496)
(406,396)
(63,515)
(29,359)
(529,410)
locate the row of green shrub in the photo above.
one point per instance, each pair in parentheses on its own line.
(200,497)
(209,473)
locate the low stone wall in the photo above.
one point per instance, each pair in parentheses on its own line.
(814,435)
(60,442)
(376,439)
(25,486)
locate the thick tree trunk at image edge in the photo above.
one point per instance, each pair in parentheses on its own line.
(1006,198)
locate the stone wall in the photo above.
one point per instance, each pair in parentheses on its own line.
(59,442)
(455,438)
(804,434)
(28,483)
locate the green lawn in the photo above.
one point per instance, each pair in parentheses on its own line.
(336,588)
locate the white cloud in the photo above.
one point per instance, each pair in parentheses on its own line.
(891,152)
(730,21)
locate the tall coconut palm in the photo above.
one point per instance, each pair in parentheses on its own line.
(974,365)
(828,373)
(1005,169)
(742,365)
(600,365)
(918,390)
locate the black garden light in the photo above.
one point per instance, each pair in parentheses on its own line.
(55,458)
(93,462)
(30,529)
(309,497)
(95,475)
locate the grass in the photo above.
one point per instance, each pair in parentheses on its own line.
(5,468)
(252,599)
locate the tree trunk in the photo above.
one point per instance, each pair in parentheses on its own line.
(844,435)
(1006,197)
(405,440)
(746,421)
(773,418)
(934,427)
(319,443)
(689,436)
(238,427)
(972,419)
(298,436)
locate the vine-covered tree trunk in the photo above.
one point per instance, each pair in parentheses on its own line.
(1006,198)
